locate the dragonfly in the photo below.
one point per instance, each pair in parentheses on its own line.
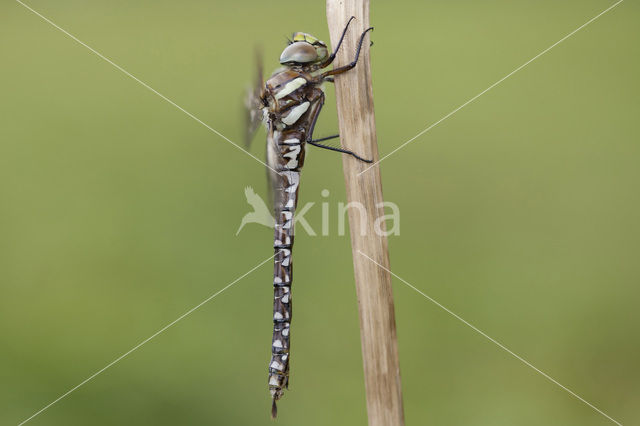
(288,104)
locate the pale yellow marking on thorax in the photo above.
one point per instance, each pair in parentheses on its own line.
(295,113)
(290,87)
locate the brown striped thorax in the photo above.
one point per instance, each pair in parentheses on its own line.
(289,104)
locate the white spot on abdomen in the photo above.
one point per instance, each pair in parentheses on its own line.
(293,154)
(294,181)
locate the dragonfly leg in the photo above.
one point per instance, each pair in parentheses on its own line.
(326,138)
(333,148)
(335,52)
(347,67)
(314,142)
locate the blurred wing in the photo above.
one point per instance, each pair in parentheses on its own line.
(254,102)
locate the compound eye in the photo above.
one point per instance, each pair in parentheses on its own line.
(299,52)
(321,51)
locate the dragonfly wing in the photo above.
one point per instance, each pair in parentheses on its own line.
(254,102)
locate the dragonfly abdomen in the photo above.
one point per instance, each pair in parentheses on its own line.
(282,279)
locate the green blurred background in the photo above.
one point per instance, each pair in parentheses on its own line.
(118,213)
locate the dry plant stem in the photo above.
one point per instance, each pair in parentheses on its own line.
(373,284)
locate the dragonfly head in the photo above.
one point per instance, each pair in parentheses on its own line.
(303,50)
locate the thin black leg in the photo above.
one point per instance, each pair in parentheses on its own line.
(326,138)
(353,63)
(344,151)
(335,52)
